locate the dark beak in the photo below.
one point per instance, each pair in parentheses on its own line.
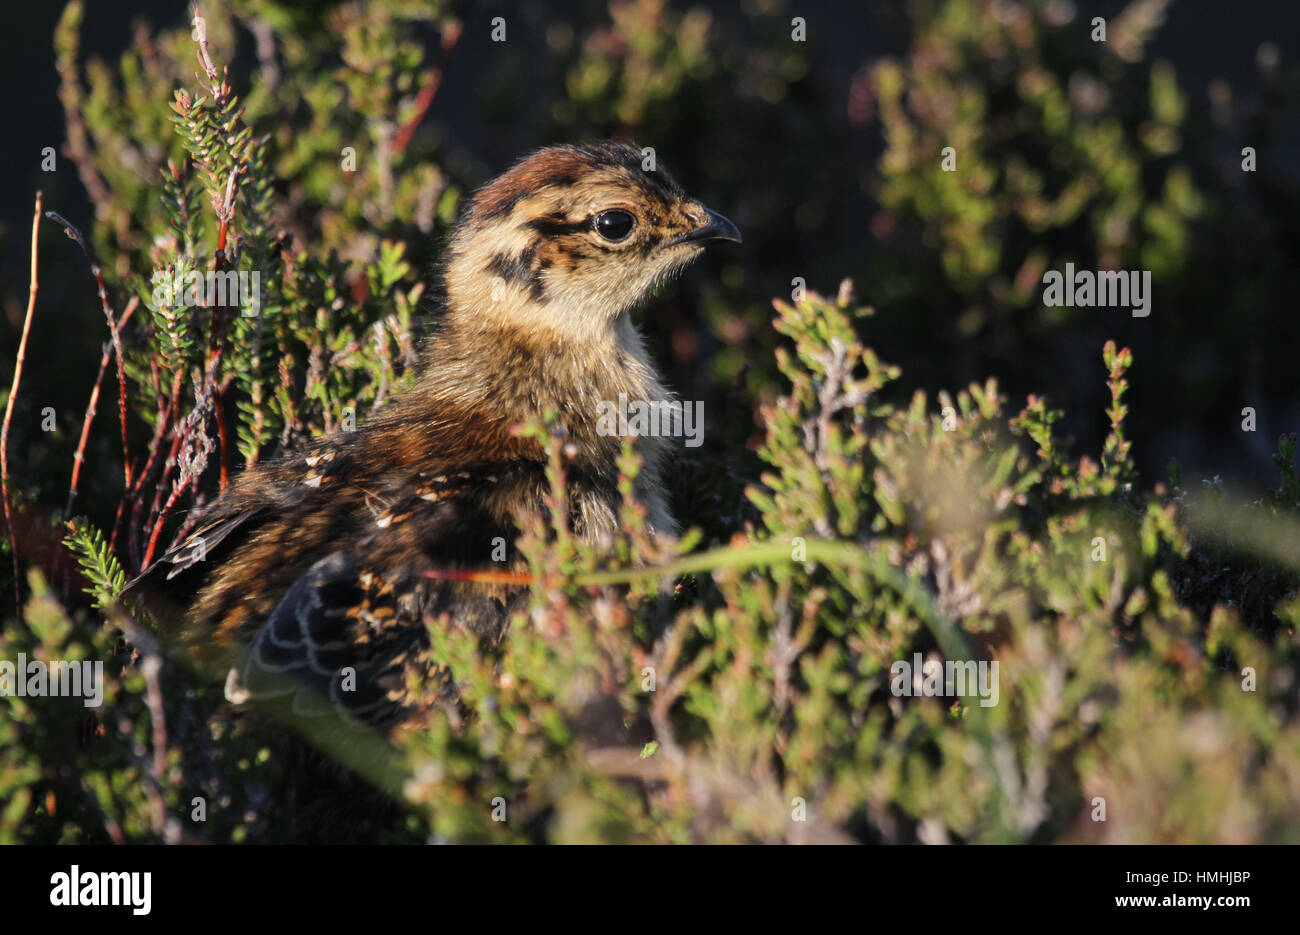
(714,229)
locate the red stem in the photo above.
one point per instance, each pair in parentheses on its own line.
(9,409)
(91,407)
(450,37)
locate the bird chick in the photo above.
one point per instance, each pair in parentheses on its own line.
(311,570)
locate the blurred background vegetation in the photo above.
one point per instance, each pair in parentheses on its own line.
(1125,154)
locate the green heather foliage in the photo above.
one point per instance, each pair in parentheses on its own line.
(735,686)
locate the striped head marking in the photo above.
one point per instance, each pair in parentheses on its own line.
(572,237)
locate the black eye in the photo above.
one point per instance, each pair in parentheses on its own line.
(614,225)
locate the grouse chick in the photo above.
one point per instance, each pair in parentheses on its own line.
(310,571)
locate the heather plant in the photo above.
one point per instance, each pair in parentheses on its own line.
(762,709)
(279,361)
(745,682)
(1020,137)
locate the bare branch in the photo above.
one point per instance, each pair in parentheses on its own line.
(9,408)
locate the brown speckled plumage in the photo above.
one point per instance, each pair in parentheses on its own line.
(313,564)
